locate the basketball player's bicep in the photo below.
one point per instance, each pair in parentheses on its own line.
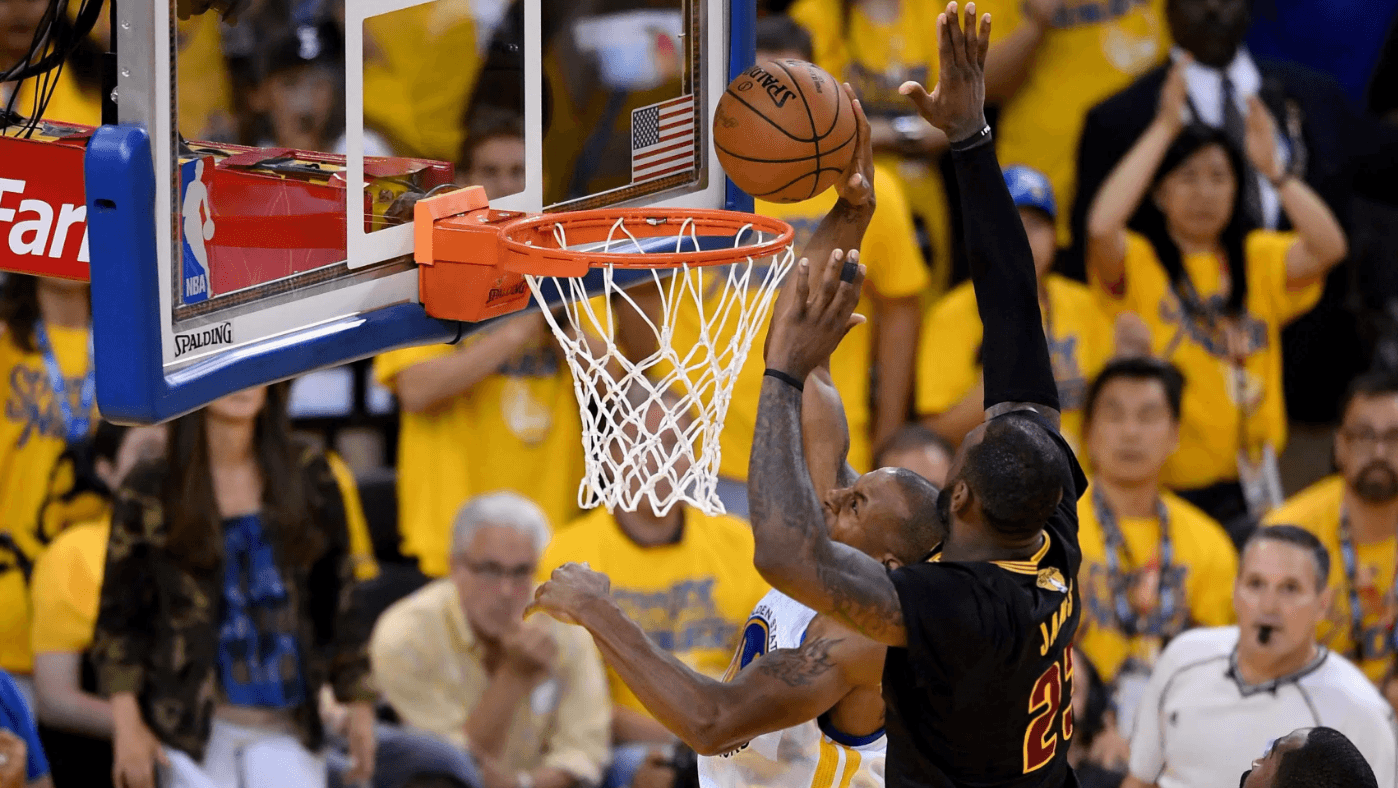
(859,594)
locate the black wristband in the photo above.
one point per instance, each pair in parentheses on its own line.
(777,374)
(974,141)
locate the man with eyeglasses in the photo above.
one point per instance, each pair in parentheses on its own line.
(527,700)
(1219,695)
(1354,513)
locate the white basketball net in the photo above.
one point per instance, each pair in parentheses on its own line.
(651,425)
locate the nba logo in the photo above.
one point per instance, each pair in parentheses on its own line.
(196,228)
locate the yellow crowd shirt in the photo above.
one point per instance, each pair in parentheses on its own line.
(1079,341)
(875,58)
(1317,509)
(1095,49)
(517,429)
(894,270)
(1215,395)
(691,597)
(1203,568)
(32,437)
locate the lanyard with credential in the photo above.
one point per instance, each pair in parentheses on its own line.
(1356,614)
(1131,625)
(77,424)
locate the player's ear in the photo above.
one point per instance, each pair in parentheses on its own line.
(960,496)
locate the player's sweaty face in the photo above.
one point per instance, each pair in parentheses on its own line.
(1264,769)
(862,514)
(1367,448)
(1277,589)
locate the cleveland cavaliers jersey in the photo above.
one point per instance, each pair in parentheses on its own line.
(810,755)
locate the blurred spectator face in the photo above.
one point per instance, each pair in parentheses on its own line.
(930,462)
(494,577)
(1211,30)
(497,164)
(1278,588)
(1043,238)
(299,101)
(1368,447)
(1133,431)
(1197,196)
(242,406)
(19,21)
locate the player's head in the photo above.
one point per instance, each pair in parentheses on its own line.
(1133,419)
(493,154)
(1311,758)
(1210,30)
(1006,480)
(19,24)
(779,37)
(496,542)
(1366,448)
(889,514)
(1033,196)
(299,90)
(1281,593)
(919,449)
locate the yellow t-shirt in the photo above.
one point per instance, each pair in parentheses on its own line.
(1317,509)
(691,598)
(1098,48)
(67,584)
(1079,341)
(32,437)
(517,429)
(875,59)
(420,64)
(1204,568)
(1213,396)
(895,270)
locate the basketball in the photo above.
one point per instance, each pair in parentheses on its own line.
(784,130)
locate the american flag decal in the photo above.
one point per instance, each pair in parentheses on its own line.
(662,139)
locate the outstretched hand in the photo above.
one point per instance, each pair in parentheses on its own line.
(957,104)
(856,184)
(568,589)
(807,327)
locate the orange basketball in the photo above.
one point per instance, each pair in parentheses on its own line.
(784,131)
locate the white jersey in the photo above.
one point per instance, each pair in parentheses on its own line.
(1199,724)
(809,755)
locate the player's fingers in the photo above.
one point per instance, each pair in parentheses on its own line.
(803,286)
(917,94)
(954,33)
(984,37)
(971,41)
(829,282)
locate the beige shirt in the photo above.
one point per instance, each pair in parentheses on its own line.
(430,666)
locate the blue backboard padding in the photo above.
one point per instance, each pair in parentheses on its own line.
(742,51)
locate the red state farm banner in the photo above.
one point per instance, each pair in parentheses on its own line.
(43,214)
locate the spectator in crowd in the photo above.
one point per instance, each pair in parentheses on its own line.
(1097,753)
(1311,758)
(1354,513)
(493,154)
(1214,291)
(494,412)
(918,449)
(1219,695)
(224,607)
(22,761)
(1050,63)
(46,362)
(1153,566)
(75,724)
(950,395)
(300,95)
(685,577)
(876,46)
(526,699)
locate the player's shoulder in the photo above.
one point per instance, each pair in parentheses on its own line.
(1312,506)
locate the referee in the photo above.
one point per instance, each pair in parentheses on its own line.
(978,679)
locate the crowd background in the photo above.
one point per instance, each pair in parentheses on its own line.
(1209,190)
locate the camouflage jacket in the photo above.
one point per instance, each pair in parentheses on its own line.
(158,621)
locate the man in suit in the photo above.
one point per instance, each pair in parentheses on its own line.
(1321,136)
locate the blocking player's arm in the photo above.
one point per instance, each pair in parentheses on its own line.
(777,690)
(825,432)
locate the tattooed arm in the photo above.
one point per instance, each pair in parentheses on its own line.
(776,690)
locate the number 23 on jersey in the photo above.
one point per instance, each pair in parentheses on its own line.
(1050,714)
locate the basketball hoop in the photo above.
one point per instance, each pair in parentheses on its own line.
(650,425)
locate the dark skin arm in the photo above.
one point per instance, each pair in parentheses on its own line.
(780,689)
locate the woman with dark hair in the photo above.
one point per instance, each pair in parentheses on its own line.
(46,364)
(1213,292)
(225,608)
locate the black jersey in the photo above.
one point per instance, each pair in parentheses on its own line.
(982,694)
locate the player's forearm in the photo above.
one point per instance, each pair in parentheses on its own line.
(1007,63)
(1017,367)
(428,385)
(896,333)
(787,521)
(502,697)
(681,699)
(842,228)
(825,433)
